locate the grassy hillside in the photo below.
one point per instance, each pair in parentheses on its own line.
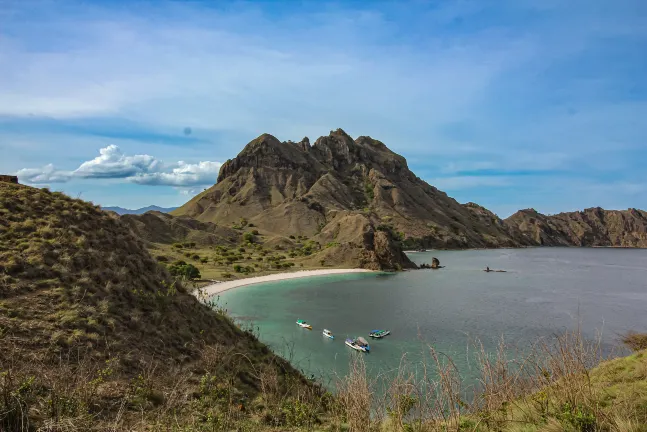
(241,249)
(95,334)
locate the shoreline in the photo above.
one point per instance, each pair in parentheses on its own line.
(219,287)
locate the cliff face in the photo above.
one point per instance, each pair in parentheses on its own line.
(591,227)
(292,188)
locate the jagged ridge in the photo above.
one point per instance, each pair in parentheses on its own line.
(292,188)
(591,227)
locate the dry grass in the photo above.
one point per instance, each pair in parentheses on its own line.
(94,334)
(561,384)
(635,341)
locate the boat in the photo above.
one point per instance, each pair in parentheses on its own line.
(302,323)
(378,334)
(358,344)
(328,334)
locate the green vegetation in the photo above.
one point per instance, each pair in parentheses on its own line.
(184,271)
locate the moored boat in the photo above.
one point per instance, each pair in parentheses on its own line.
(359,344)
(302,323)
(378,334)
(328,334)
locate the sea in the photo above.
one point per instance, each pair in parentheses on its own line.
(455,311)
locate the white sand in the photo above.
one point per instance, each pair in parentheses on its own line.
(219,287)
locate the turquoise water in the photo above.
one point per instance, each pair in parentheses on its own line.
(544,292)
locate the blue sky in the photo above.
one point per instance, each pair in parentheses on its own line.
(508,103)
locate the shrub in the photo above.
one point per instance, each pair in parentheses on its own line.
(238,268)
(255,232)
(162,258)
(195,257)
(248,237)
(184,270)
(292,237)
(177,245)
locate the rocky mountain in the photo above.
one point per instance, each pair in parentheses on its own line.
(346,191)
(591,227)
(124,211)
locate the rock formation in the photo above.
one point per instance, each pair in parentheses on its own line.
(591,227)
(8,179)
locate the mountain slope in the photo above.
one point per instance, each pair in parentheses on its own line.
(157,227)
(94,332)
(124,211)
(591,227)
(296,188)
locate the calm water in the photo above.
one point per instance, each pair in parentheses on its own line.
(545,291)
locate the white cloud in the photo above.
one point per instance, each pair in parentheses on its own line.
(112,163)
(140,169)
(46,174)
(202,173)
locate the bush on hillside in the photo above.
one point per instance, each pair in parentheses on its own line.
(184,270)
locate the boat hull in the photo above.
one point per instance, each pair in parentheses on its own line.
(305,326)
(357,347)
(379,335)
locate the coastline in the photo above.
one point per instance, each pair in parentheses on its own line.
(219,287)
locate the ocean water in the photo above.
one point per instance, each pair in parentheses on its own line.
(544,292)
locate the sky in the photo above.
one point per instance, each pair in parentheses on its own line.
(507,103)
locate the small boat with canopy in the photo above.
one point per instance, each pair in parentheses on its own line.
(379,334)
(303,324)
(359,344)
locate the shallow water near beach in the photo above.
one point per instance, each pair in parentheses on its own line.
(545,291)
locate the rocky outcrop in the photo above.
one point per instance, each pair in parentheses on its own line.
(591,227)
(8,179)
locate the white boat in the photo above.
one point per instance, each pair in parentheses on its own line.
(378,334)
(302,323)
(328,334)
(358,344)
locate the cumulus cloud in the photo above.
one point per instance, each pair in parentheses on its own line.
(184,174)
(112,163)
(46,174)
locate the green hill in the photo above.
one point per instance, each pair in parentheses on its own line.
(95,334)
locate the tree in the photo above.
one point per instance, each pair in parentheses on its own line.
(184,270)
(248,237)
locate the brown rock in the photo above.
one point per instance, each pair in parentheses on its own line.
(8,179)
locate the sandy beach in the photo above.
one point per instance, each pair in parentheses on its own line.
(225,286)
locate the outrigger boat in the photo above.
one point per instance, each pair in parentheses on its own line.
(302,323)
(328,334)
(378,334)
(358,344)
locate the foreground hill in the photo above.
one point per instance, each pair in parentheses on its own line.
(94,332)
(591,227)
(343,191)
